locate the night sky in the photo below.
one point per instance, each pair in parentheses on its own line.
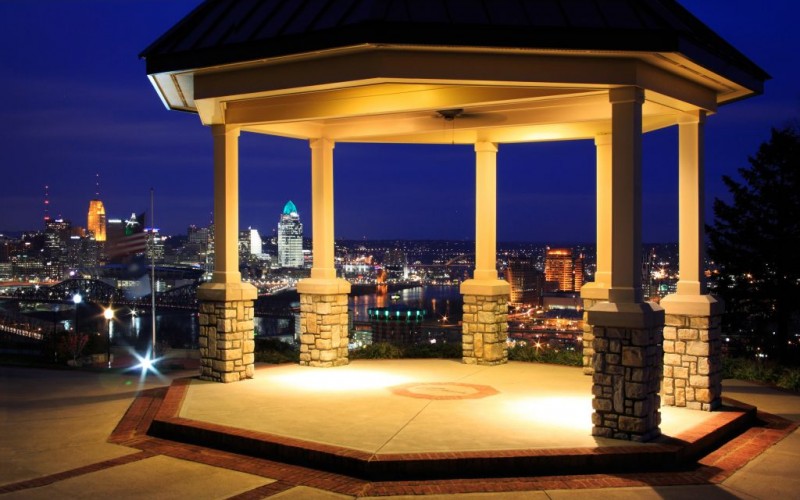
(76,102)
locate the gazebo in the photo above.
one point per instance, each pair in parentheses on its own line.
(485,73)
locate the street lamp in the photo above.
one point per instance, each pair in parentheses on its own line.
(76,299)
(109,315)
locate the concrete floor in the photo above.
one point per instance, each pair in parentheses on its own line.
(534,406)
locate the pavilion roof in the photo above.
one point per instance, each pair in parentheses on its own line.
(221,32)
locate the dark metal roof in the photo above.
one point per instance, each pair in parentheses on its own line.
(230,31)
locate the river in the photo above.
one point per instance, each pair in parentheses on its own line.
(180,328)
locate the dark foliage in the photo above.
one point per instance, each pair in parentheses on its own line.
(754,241)
(274,351)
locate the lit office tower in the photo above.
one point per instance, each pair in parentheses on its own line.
(526,281)
(577,273)
(558,269)
(96,220)
(290,237)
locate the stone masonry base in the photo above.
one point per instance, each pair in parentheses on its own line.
(588,336)
(226,340)
(324,335)
(692,359)
(485,329)
(627,371)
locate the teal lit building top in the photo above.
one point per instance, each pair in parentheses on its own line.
(289,208)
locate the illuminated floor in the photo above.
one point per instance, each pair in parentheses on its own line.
(413,406)
(416,419)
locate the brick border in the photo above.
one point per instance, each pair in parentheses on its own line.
(712,468)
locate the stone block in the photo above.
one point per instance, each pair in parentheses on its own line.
(672,359)
(229,377)
(688,334)
(670,333)
(697,348)
(323,344)
(674,320)
(703,322)
(632,356)
(635,390)
(248,359)
(633,424)
(603,405)
(680,372)
(322,308)
(229,354)
(699,381)
(327,355)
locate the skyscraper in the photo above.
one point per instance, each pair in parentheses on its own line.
(96,220)
(558,267)
(290,237)
(526,281)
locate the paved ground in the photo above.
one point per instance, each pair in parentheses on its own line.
(55,426)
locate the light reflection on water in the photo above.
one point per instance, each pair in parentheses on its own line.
(438,301)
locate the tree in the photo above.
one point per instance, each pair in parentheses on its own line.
(755,241)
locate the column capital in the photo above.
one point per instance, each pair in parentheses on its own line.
(622,95)
(602,139)
(322,286)
(321,142)
(485,147)
(692,117)
(225,129)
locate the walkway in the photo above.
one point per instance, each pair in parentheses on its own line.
(56,429)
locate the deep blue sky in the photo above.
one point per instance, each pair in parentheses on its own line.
(76,102)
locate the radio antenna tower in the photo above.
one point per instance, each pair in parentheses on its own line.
(46,203)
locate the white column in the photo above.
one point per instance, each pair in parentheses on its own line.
(485,211)
(226,204)
(322,208)
(598,289)
(626,195)
(690,204)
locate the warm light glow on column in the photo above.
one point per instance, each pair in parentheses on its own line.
(226,204)
(604,215)
(626,194)
(485,211)
(690,203)
(322,208)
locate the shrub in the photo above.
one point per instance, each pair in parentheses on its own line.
(380,350)
(761,371)
(532,354)
(273,351)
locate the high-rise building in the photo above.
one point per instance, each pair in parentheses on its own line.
(527,282)
(577,273)
(558,269)
(96,220)
(290,237)
(126,238)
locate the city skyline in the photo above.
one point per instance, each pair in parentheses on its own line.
(88,108)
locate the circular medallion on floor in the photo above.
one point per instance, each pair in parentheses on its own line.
(444,390)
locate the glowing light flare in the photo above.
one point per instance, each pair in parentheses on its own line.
(339,380)
(147,364)
(555,411)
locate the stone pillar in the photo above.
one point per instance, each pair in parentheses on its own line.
(226,331)
(485,320)
(692,344)
(627,332)
(323,297)
(597,291)
(226,304)
(627,370)
(692,352)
